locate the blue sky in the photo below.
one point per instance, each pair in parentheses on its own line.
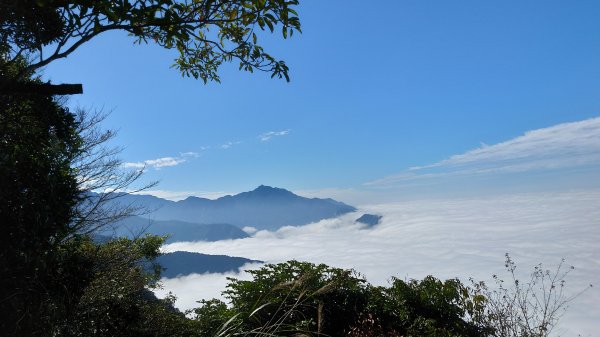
(376,90)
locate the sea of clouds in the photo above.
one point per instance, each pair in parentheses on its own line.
(446,238)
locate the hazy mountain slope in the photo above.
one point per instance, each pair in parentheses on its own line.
(264,208)
(185,263)
(175,230)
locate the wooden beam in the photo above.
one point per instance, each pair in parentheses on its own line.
(42,89)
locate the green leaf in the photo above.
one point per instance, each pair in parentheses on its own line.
(270,24)
(233,14)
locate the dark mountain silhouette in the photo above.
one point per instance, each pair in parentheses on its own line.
(184,263)
(175,230)
(264,208)
(369,219)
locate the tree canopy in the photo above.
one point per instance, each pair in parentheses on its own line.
(206,33)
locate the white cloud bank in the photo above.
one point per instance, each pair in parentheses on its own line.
(159,163)
(445,237)
(566,145)
(200,286)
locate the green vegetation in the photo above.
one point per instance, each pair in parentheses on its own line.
(56,282)
(205,33)
(38,195)
(303,298)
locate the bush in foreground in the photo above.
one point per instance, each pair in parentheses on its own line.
(305,299)
(293,298)
(531,308)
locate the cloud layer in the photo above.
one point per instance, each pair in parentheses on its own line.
(446,238)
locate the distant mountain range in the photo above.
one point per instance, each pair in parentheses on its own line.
(180,263)
(263,208)
(175,230)
(199,219)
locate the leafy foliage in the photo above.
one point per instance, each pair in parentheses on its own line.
(300,294)
(114,300)
(430,307)
(212,317)
(299,297)
(206,33)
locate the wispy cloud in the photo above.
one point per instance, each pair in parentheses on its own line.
(561,146)
(228,145)
(190,154)
(265,137)
(159,163)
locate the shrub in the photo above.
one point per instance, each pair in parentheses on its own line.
(527,309)
(301,298)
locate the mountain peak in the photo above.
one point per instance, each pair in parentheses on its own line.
(264,190)
(194,200)
(265,207)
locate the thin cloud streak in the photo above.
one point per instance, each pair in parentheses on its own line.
(156,163)
(159,163)
(265,137)
(228,145)
(562,146)
(190,154)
